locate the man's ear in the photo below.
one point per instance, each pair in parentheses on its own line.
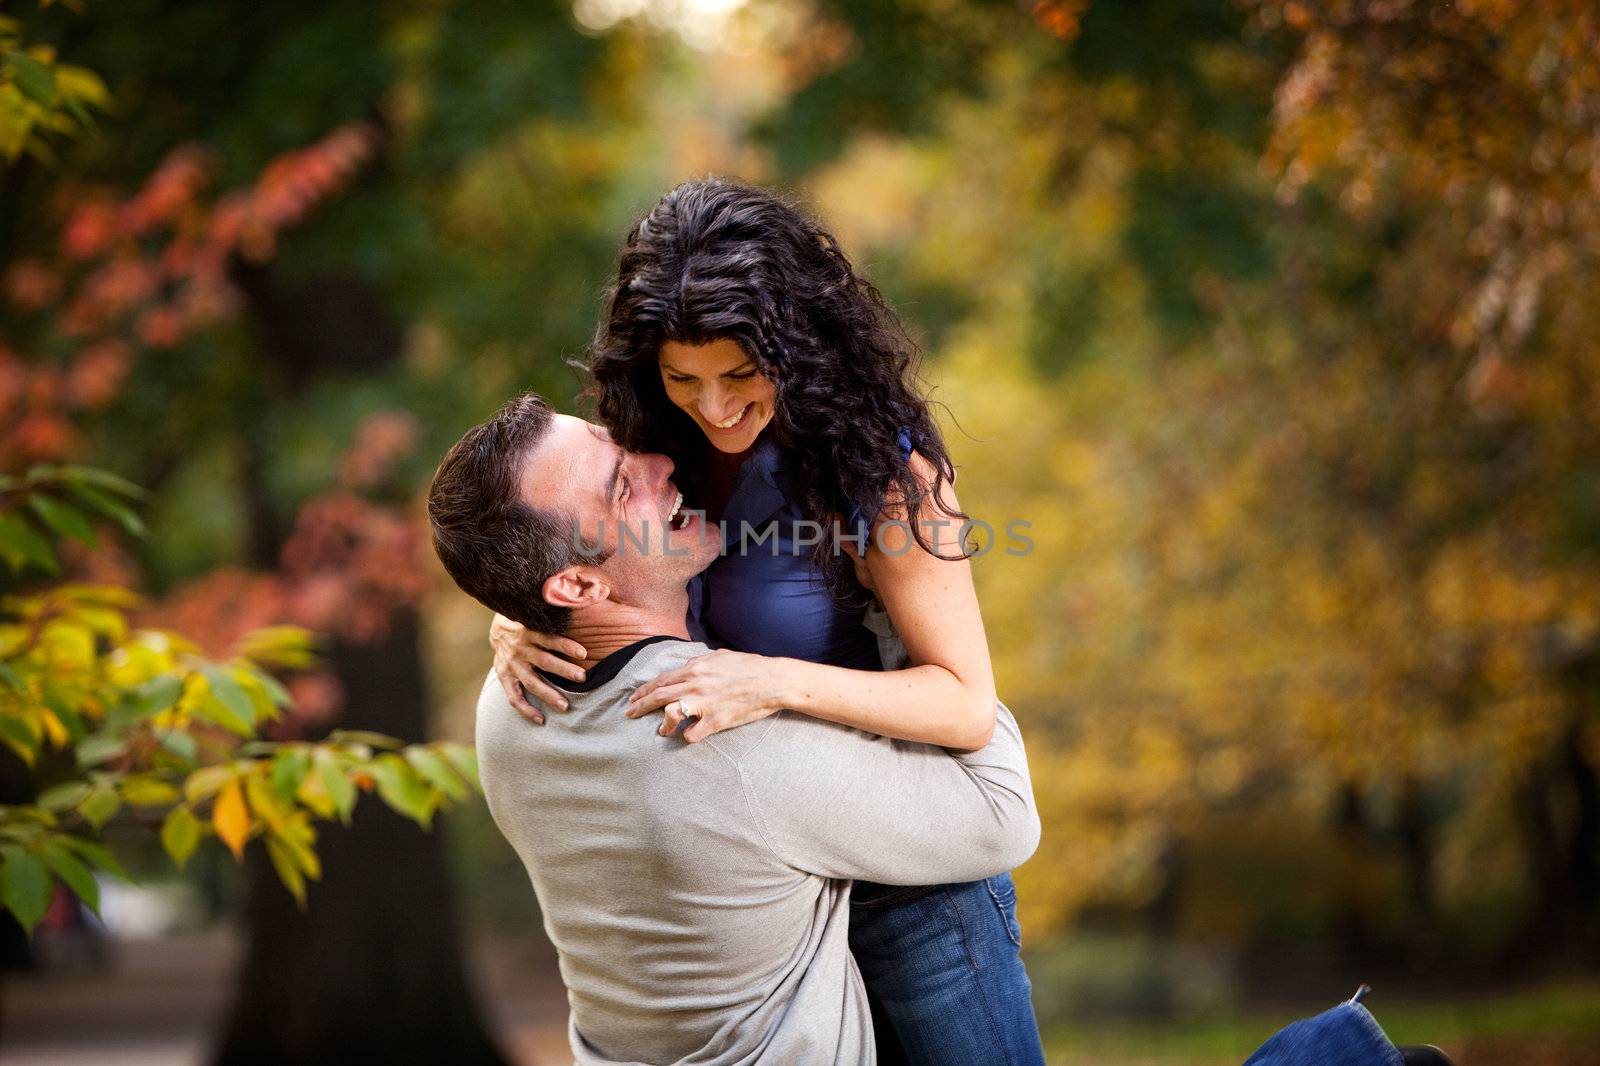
(575,587)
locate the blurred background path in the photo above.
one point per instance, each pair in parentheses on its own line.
(161,1002)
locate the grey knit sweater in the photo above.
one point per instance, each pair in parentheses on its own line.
(698,894)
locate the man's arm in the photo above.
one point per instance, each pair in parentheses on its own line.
(841,803)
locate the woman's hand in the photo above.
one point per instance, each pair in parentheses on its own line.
(723,689)
(519,652)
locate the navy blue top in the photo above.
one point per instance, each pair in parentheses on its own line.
(764,594)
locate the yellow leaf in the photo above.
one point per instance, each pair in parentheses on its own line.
(54,729)
(263,802)
(231,819)
(148,792)
(283,861)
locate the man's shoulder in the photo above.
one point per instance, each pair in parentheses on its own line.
(665,655)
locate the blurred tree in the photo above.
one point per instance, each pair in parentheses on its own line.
(102,717)
(372,972)
(1468,132)
(1302,397)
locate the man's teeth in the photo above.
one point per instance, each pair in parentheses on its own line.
(735,420)
(676,513)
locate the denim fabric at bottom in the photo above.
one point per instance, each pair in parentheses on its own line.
(944,975)
(1346,1035)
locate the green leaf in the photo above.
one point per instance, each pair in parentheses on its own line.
(148,792)
(403,789)
(100,747)
(209,707)
(288,770)
(283,861)
(21,545)
(313,796)
(437,771)
(101,805)
(105,479)
(157,695)
(206,782)
(465,759)
(66,520)
(16,734)
(262,708)
(25,886)
(180,743)
(37,81)
(180,834)
(64,796)
(232,695)
(272,686)
(108,505)
(81,85)
(340,788)
(10,679)
(97,855)
(62,702)
(77,110)
(72,872)
(362,736)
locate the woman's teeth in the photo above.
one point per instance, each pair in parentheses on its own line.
(735,420)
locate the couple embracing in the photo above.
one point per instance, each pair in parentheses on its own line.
(805,858)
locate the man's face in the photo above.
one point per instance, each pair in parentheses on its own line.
(623,500)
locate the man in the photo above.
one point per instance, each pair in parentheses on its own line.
(698,894)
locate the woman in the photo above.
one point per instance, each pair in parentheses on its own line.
(739,341)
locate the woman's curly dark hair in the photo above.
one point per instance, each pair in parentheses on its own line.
(714,259)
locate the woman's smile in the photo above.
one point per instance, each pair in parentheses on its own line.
(722,388)
(730,424)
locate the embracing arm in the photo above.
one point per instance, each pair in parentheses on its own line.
(946,698)
(519,653)
(835,802)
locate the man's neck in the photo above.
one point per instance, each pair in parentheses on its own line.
(612,626)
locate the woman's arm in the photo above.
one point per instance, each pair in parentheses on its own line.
(947,698)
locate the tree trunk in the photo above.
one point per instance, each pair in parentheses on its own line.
(1584,852)
(372,971)
(1353,831)
(1415,832)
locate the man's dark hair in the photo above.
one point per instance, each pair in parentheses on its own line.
(497,548)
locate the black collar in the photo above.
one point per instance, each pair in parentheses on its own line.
(606,669)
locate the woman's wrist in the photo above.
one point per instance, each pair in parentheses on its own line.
(786,691)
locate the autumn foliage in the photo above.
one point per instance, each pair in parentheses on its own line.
(124,720)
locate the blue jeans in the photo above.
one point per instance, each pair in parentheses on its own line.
(944,975)
(1346,1035)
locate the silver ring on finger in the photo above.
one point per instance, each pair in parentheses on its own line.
(683,709)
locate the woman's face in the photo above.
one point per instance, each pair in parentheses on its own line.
(719,386)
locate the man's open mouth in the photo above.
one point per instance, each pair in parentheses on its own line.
(678,518)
